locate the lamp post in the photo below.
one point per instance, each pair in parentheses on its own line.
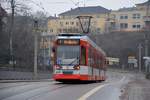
(146,48)
(35,47)
(140,55)
(11,61)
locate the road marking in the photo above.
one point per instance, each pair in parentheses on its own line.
(88,94)
(123,79)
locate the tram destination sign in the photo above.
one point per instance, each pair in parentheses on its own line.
(68,41)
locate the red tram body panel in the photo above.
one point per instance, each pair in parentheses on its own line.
(76,57)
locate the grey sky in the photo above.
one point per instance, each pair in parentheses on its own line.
(59,6)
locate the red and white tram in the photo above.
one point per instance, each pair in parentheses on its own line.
(76,57)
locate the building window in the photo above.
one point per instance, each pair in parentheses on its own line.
(50,30)
(136,26)
(67,23)
(64,30)
(136,16)
(83,55)
(72,23)
(61,23)
(98,30)
(123,25)
(124,17)
(121,17)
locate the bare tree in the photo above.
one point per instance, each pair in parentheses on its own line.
(20,24)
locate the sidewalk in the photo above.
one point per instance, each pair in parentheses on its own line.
(137,89)
(18,75)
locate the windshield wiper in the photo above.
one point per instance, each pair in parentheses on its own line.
(74,61)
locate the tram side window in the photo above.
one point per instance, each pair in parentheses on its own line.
(89,57)
(97,60)
(83,55)
(92,57)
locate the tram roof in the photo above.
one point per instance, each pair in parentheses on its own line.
(79,36)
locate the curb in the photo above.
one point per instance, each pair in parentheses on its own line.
(15,81)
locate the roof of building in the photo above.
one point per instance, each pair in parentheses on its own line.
(145,3)
(52,17)
(86,10)
(128,9)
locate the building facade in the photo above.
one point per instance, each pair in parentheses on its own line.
(103,20)
(67,22)
(130,19)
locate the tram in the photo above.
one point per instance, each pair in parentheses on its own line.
(77,57)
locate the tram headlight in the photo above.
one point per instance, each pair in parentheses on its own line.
(58,67)
(76,67)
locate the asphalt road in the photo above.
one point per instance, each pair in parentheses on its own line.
(51,90)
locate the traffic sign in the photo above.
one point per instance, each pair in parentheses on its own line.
(132,60)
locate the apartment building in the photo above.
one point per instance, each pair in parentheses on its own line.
(103,20)
(130,19)
(67,22)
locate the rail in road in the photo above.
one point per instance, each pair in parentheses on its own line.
(57,91)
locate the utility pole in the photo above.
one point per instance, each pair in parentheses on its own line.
(140,56)
(11,33)
(35,47)
(147,23)
(147,29)
(44,50)
(146,48)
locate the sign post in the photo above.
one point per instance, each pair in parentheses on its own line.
(132,61)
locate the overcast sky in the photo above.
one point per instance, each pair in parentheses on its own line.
(59,6)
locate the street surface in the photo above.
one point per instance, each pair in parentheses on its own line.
(51,90)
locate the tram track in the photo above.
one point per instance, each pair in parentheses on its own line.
(41,94)
(17,90)
(6,87)
(56,90)
(34,92)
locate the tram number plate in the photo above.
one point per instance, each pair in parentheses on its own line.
(67,72)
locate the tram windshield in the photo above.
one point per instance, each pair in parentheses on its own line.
(68,55)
